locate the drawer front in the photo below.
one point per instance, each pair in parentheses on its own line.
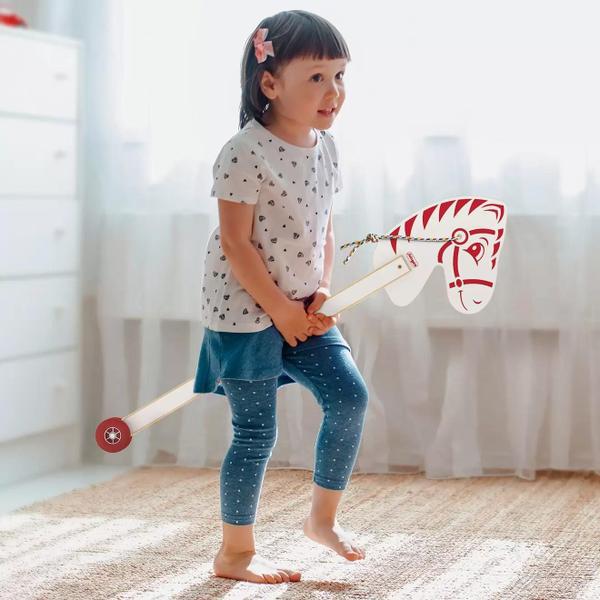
(38,394)
(38,236)
(37,315)
(37,158)
(38,78)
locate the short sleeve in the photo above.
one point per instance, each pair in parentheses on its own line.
(337,174)
(237,173)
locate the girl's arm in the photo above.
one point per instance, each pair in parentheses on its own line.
(321,323)
(329,255)
(235,224)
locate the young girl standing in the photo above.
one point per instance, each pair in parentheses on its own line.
(267,272)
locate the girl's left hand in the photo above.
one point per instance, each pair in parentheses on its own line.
(320,323)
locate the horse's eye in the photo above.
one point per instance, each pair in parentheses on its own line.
(476,250)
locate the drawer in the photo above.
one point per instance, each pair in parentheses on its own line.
(38,394)
(37,315)
(38,77)
(37,158)
(38,236)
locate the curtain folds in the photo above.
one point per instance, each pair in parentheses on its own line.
(438,107)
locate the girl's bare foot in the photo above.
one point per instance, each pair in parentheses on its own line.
(334,537)
(250,566)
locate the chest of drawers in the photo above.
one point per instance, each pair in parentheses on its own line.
(40,224)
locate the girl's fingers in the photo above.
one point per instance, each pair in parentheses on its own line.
(320,329)
(321,323)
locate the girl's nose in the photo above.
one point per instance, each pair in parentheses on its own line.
(333,90)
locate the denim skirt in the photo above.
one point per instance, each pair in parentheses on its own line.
(251,356)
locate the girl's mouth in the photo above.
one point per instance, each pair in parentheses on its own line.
(327,113)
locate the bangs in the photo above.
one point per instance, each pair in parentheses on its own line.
(316,39)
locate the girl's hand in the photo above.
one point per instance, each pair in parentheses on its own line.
(291,321)
(320,323)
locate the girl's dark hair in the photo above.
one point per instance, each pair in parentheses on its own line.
(294,34)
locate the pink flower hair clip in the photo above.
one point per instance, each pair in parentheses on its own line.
(262,48)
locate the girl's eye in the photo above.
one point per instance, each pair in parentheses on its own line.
(319,75)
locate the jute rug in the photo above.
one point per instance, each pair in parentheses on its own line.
(153,533)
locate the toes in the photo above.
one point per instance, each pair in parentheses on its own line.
(269,578)
(284,576)
(293,575)
(349,551)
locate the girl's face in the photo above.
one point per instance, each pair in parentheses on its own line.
(306,90)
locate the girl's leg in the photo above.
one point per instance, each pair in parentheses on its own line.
(253,410)
(331,374)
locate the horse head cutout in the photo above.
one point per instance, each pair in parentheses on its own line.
(470,260)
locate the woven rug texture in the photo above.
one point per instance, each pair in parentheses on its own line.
(154,531)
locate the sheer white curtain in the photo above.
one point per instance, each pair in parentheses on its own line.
(443,100)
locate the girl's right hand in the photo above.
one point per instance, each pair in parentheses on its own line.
(292,322)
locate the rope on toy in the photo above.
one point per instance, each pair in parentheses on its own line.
(373,237)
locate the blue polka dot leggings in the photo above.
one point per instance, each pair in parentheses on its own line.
(331,374)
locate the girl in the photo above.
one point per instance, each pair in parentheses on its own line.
(267,272)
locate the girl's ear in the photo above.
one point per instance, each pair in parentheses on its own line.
(267,85)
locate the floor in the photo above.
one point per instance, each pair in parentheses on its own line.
(21,494)
(470,537)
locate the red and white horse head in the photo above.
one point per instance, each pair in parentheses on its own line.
(470,262)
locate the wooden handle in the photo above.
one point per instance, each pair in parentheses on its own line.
(359,290)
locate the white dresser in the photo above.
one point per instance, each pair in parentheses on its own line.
(40,223)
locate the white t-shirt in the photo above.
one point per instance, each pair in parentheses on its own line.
(292,188)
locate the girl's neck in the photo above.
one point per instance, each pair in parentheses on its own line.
(289,131)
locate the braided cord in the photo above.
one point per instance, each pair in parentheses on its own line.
(373,237)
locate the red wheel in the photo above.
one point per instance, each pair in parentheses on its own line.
(113,435)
